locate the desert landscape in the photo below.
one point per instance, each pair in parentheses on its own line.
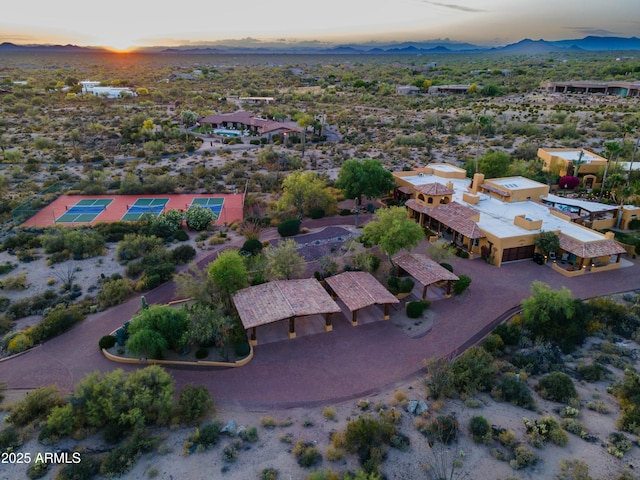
(455,417)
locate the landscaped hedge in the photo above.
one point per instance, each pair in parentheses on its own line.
(415,309)
(288,228)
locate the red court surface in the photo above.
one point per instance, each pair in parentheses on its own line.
(56,213)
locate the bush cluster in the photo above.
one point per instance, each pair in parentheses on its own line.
(307,455)
(400,285)
(558,387)
(289,228)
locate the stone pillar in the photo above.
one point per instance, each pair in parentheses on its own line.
(327,323)
(354,318)
(386,312)
(292,327)
(253,341)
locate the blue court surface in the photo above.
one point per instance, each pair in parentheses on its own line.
(84,211)
(144,206)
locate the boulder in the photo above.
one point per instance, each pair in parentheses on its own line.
(229,428)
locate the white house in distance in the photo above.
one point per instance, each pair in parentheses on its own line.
(94,88)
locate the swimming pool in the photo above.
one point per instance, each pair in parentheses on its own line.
(228,133)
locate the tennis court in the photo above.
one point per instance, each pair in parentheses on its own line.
(212,203)
(144,206)
(85,210)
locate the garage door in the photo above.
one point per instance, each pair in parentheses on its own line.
(517,253)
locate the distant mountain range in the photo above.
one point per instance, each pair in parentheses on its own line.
(523,47)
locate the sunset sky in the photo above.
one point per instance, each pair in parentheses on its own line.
(122,24)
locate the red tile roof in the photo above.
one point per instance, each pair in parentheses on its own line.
(423,269)
(434,189)
(453,215)
(587,250)
(273,301)
(359,290)
(248,119)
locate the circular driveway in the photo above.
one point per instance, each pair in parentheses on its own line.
(348,362)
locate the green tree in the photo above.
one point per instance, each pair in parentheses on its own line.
(556,316)
(188,117)
(169,322)
(284,261)
(207,325)
(195,283)
(199,218)
(228,274)
(392,230)
(494,164)
(547,242)
(364,177)
(305,191)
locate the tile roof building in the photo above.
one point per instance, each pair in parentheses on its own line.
(501,218)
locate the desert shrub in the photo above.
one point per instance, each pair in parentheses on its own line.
(440,378)
(627,392)
(22,239)
(574,470)
(268,474)
(447,266)
(540,358)
(598,406)
(60,423)
(19,342)
(572,425)
(181,235)
(268,422)
(480,429)
(6,268)
(307,455)
(618,444)
(523,458)
(56,321)
(509,333)
(9,438)
(35,405)
(289,228)
(316,213)
(107,341)
(249,435)
(558,387)
(194,404)
(543,430)
(115,231)
(613,316)
(230,451)
(120,460)
(205,437)
(415,309)
(253,246)
(591,373)
(4,303)
(87,469)
(461,284)
(516,392)
(493,344)
(329,413)
(114,292)
(474,371)
(443,429)
(368,438)
(15,282)
(37,469)
(183,254)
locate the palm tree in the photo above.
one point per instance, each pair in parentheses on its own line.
(612,149)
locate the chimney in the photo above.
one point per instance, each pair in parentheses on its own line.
(478,179)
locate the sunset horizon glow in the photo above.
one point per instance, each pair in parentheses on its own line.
(122,26)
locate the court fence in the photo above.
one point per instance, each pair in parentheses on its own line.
(36,203)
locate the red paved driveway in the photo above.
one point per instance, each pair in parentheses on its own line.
(346,363)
